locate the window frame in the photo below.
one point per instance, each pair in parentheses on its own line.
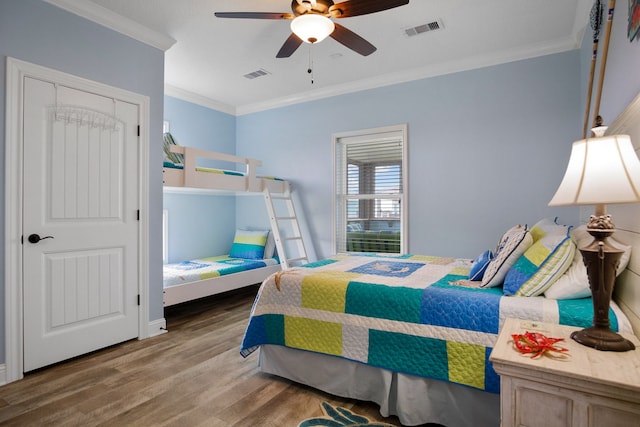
(340,218)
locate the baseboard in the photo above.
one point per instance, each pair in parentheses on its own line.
(3,374)
(156,327)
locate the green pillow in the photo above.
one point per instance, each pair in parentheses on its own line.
(249,244)
(543,263)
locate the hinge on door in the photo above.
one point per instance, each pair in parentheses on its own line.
(138,130)
(138,214)
(138,299)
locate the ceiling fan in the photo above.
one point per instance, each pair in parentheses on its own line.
(310,22)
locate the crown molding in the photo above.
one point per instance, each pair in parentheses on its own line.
(115,22)
(194,98)
(126,26)
(470,63)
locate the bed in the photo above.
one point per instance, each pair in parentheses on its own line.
(413,316)
(198,278)
(194,171)
(188,168)
(413,333)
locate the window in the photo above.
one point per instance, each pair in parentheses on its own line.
(370,190)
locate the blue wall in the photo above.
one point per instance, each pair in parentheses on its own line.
(200,226)
(622,76)
(37,32)
(487,149)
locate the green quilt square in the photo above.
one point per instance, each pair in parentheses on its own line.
(421,356)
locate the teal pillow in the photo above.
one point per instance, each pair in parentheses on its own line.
(249,244)
(479,265)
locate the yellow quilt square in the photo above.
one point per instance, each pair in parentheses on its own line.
(313,335)
(326,290)
(466,364)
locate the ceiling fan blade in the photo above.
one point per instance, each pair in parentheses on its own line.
(350,8)
(289,46)
(352,40)
(254,15)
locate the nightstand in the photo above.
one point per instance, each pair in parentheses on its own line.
(591,388)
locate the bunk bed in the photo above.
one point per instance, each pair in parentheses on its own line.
(184,172)
(189,174)
(413,333)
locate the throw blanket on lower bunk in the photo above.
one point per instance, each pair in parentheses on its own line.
(207,268)
(411,314)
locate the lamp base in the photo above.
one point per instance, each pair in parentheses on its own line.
(601,260)
(602,339)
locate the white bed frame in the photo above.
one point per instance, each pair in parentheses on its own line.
(203,288)
(418,400)
(191,180)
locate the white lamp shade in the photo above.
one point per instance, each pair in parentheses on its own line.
(601,170)
(312,28)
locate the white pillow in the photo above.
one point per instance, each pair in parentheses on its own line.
(511,247)
(270,247)
(575,283)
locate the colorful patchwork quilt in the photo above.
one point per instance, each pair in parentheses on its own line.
(207,268)
(412,314)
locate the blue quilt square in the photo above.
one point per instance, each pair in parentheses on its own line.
(461,308)
(388,268)
(189,265)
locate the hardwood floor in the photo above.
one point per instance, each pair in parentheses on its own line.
(191,376)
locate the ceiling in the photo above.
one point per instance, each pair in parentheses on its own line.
(211,56)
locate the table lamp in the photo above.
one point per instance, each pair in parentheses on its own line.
(602,170)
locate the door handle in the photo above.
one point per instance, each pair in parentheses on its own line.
(34,238)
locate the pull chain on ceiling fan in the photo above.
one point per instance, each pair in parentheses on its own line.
(311,23)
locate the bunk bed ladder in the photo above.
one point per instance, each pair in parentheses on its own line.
(285,229)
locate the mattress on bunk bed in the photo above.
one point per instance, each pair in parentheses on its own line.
(168,164)
(207,268)
(410,314)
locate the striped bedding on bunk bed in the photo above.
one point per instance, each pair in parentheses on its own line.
(411,314)
(208,268)
(168,164)
(176,161)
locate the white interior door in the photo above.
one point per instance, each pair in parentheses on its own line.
(80,186)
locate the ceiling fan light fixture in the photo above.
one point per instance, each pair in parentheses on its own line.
(312,28)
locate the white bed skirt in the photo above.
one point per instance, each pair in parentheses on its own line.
(414,400)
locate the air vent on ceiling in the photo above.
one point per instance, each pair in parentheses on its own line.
(423,28)
(258,73)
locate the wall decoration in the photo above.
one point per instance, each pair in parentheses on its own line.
(634,19)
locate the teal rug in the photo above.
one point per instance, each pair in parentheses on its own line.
(335,416)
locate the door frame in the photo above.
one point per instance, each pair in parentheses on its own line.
(17,70)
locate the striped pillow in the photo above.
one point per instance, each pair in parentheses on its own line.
(542,264)
(175,158)
(249,244)
(574,283)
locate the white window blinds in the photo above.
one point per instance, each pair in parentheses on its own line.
(370,170)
